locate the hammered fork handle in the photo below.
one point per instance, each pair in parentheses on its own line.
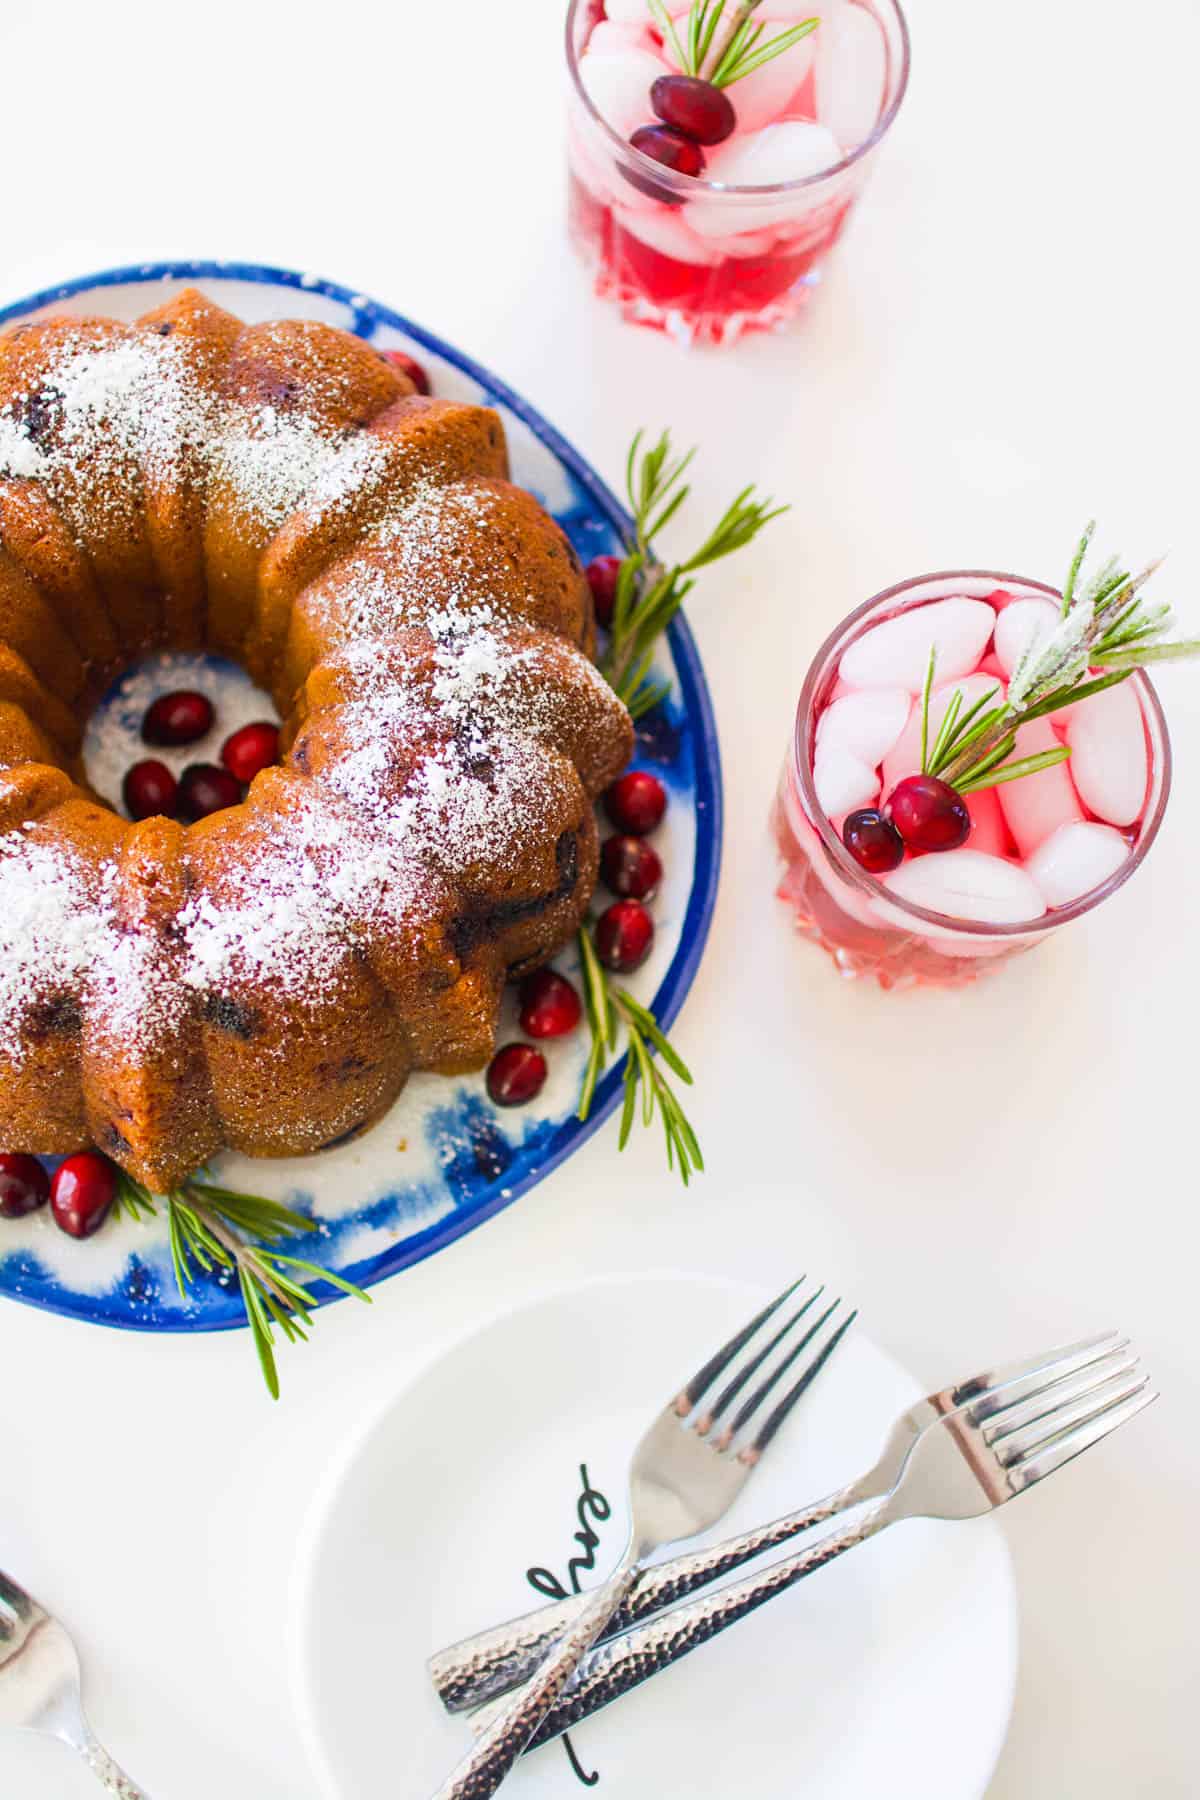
(514,1719)
(623,1663)
(113,1779)
(478,1669)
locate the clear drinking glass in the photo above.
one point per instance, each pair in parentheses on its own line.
(704,259)
(867,929)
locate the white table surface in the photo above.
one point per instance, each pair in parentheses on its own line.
(1005,347)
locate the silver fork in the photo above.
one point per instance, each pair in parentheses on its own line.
(480,1668)
(966,1462)
(40,1685)
(688,1469)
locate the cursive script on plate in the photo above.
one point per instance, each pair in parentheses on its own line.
(591,1509)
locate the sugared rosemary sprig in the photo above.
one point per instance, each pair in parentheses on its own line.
(209,1228)
(1105,625)
(608,1006)
(724,60)
(648,593)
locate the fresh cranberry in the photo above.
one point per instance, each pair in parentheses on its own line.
(928,813)
(630,867)
(697,108)
(149,789)
(624,935)
(24,1185)
(550,1006)
(670,148)
(205,789)
(180,718)
(602,573)
(82,1192)
(872,841)
(516,1075)
(251,750)
(408,365)
(636,803)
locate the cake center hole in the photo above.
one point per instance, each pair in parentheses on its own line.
(113,743)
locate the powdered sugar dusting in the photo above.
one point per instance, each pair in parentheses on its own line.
(62,939)
(293,910)
(122,410)
(19,456)
(275,461)
(54,927)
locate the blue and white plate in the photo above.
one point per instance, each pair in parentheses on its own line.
(444,1159)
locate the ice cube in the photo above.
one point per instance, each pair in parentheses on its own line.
(1021,624)
(618,83)
(786,152)
(1110,763)
(966,884)
(1035,806)
(615,37)
(843,781)
(905,756)
(666,232)
(866,722)
(896,653)
(851,72)
(789,151)
(1076,859)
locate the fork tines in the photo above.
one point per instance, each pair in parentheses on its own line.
(779,1353)
(1035,1424)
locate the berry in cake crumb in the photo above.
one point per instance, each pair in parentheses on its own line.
(630,867)
(602,574)
(203,789)
(82,1192)
(928,813)
(663,144)
(24,1185)
(408,365)
(636,803)
(695,107)
(873,841)
(516,1075)
(150,790)
(179,718)
(251,750)
(624,934)
(550,1006)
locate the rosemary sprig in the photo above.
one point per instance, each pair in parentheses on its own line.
(609,1006)
(209,1228)
(1105,625)
(649,594)
(739,53)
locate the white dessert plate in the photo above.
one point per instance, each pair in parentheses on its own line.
(889,1672)
(444,1159)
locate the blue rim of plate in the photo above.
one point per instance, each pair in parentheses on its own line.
(109,1309)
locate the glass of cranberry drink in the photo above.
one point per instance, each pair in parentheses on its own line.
(707,204)
(898,874)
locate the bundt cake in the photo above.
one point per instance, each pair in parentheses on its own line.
(267,979)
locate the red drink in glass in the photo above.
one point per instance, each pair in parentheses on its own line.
(1041,851)
(741,247)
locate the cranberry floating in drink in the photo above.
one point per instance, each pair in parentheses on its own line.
(977,760)
(716,152)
